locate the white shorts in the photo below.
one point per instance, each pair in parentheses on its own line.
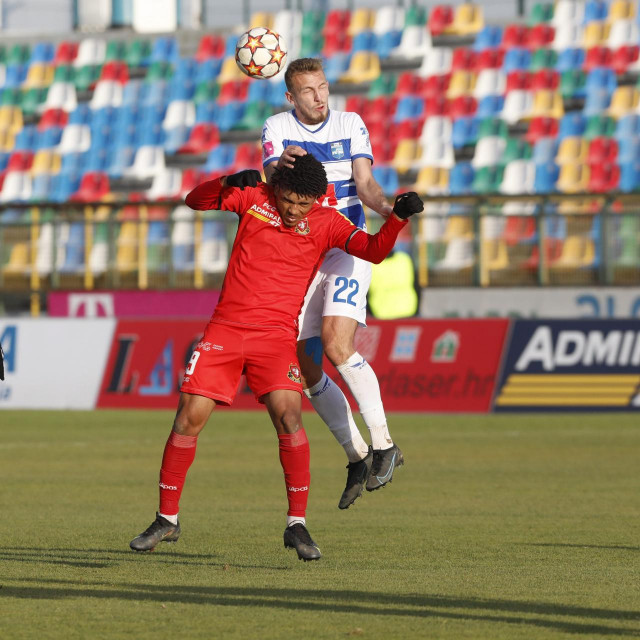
(339,289)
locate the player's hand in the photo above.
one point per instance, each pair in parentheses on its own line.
(242,179)
(289,155)
(407,204)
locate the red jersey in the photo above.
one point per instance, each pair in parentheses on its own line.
(272,265)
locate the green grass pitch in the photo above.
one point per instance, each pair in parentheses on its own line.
(497,527)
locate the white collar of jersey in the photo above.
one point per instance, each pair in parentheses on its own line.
(305,127)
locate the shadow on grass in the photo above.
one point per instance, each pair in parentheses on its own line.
(103,558)
(614,547)
(588,620)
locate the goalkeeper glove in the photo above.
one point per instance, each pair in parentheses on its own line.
(242,179)
(407,204)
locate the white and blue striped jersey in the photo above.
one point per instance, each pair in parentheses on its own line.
(340,139)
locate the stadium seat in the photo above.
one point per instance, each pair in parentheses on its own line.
(547,104)
(629,177)
(516,59)
(597,57)
(568,35)
(489,37)
(406,155)
(437,153)
(596,34)
(570,59)
(61,95)
(46,161)
(519,177)
(468,19)
(517,105)
(490,82)
(94,186)
(488,151)
(543,59)
(516,149)
(600,125)
(389,18)
(541,36)
(462,83)
(602,151)
(628,150)
(66,53)
(432,181)
(464,132)
(138,53)
(604,177)
(148,161)
(572,149)
(166,185)
(436,61)
(572,124)
(76,138)
(415,43)
(625,58)
(464,59)
(441,19)
(595,11)
(387,178)
(568,12)
(434,87)
(436,128)
(541,12)
(458,255)
(574,178)
(624,101)
(515,36)
(546,177)
(16,187)
(362,19)
(91,51)
(202,138)
(578,251)
(364,66)
(489,59)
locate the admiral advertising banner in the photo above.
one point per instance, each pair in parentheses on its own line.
(571,365)
(421,366)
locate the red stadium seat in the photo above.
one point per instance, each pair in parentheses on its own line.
(53,118)
(203,137)
(597,57)
(93,186)
(545,79)
(20,161)
(434,86)
(381,108)
(541,128)
(406,129)
(408,84)
(357,104)
(234,90)
(248,156)
(515,35)
(489,59)
(65,53)
(210,46)
(519,229)
(115,70)
(336,42)
(602,150)
(436,106)
(552,251)
(623,57)
(604,177)
(440,19)
(518,80)
(337,21)
(191,178)
(383,151)
(541,36)
(463,59)
(463,106)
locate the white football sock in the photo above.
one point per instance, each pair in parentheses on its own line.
(331,405)
(293,519)
(364,386)
(171,519)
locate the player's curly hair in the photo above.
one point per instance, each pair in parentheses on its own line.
(306,178)
(301,65)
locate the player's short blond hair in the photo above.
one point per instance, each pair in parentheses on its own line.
(299,66)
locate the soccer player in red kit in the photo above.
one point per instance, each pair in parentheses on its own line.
(282,238)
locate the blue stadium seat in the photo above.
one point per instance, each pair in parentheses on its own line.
(73,162)
(42,52)
(516,59)
(276,94)
(175,137)
(555,227)
(151,114)
(181,89)
(601,78)
(207,111)
(629,150)
(97,159)
(82,114)
(49,138)
(546,177)
(595,11)
(409,108)
(74,250)
(629,176)
(230,115)
(26,138)
(364,41)
(41,187)
(150,133)
(63,185)
(258,91)
(464,131)
(165,49)
(131,93)
(4,160)
(627,127)
(186,69)
(545,150)
(387,178)
(182,256)
(230,49)
(490,107)
(121,160)
(596,102)
(208,70)
(336,65)
(15,75)
(220,157)
(461,179)
(570,59)
(387,42)
(158,232)
(155,93)
(490,37)
(572,124)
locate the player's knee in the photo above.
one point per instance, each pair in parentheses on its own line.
(188,423)
(290,420)
(338,351)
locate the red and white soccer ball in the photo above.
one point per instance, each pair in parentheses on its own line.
(261,53)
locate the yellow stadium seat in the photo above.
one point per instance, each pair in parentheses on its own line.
(577,251)
(622,10)
(361,20)
(46,161)
(624,101)
(364,67)
(7,140)
(468,19)
(572,149)
(595,34)
(432,181)
(261,19)
(18,258)
(495,256)
(38,76)
(574,178)
(127,251)
(11,118)
(407,153)
(547,104)
(458,227)
(230,71)
(462,83)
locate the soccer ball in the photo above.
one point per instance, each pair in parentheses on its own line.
(261,53)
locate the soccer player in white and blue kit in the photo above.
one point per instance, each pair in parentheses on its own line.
(335,304)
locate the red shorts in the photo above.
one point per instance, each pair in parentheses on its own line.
(266,356)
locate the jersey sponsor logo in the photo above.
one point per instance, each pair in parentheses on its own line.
(267,149)
(303,227)
(266,213)
(337,150)
(207,346)
(294,373)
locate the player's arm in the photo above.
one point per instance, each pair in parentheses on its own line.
(375,248)
(223,193)
(369,191)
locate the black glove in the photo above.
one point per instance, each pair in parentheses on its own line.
(242,179)
(407,204)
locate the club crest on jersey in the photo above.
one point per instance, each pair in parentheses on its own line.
(337,150)
(303,227)
(294,373)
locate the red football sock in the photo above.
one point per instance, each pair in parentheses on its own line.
(179,453)
(294,458)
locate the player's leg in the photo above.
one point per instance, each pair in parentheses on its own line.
(179,453)
(325,396)
(284,408)
(344,309)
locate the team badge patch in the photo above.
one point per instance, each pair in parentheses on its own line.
(294,373)
(337,150)
(303,227)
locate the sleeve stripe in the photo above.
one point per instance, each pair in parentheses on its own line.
(346,244)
